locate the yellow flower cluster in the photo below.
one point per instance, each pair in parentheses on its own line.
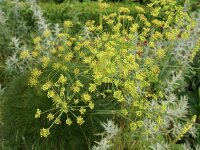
(35,73)
(24,54)
(103,5)
(38,113)
(195,50)
(68,24)
(44,132)
(76,68)
(186,128)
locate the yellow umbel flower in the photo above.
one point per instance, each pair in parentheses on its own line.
(140,123)
(76,86)
(76,71)
(82,110)
(35,53)
(62,79)
(155,127)
(186,128)
(86,97)
(80,120)
(56,66)
(157,22)
(92,87)
(37,40)
(159,120)
(45,61)
(148,61)
(124,112)
(68,57)
(195,50)
(152,44)
(33,81)
(46,86)
(51,94)
(104,5)
(133,126)
(91,105)
(24,54)
(68,121)
(50,116)
(139,9)
(140,76)
(134,27)
(124,10)
(139,113)
(62,91)
(68,43)
(47,33)
(157,35)
(68,24)
(147,24)
(155,12)
(160,53)
(38,113)
(36,73)
(57,121)
(118,95)
(44,132)
(76,101)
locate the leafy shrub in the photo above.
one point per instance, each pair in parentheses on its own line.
(14,26)
(193,79)
(14,23)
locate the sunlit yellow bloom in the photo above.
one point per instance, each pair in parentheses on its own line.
(133,126)
(134,27)
(68,121)
(62,79)
(91,105)
(124,10)
(80,120)
(24,54)
(44,132)
(45,61)
(104,5)
(33,81)
(57,121)
(46,86)
(86,97)
(82,110)
(92,87)
(37,40)
(68,24)
(36,72)
(118,95)
(124,112)
(50,116)
(47,33)
(38,113)
(139,9)
(140,123)
(160,53)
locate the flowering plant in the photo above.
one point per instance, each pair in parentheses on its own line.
(129,68)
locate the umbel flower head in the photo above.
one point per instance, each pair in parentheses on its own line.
(122,65)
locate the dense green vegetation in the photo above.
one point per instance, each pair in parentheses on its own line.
(87,74)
